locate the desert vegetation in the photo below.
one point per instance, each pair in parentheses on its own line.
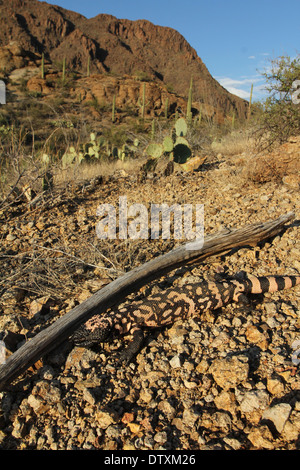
(56,131)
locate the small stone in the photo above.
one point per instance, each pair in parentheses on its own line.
(275,386)
(220,340)
(149,442)
(190,385)
(202,367)
(233,443)
(88,396)
(104,419)
(167,409)
(128,447)
(40,305)
(2,436)
(292,181)
(134,427)
(10,237)
(178,423)
(270,308)
(145,396)
(255,336)
(80,358)
(19,428)
(84,295)
(175,362)
(255,399)
(297,406)
(47,372)
(47,391)
(49,433)
(127,418)
(216,421)
(38,405)
(189,417)
(290,431)
(161,437)
(278,414)
(229,372)
(225,401)
(261,438)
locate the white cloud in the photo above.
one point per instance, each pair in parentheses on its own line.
(238,92)
(251,57)
(242,87)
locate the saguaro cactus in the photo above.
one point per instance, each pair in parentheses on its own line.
(142,103)
(189,103)
(153,129)
(64,69)
(250,102)
(113,111)
(166,108)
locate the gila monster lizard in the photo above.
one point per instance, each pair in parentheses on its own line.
(165,308)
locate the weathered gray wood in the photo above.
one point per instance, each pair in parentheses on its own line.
(114,292)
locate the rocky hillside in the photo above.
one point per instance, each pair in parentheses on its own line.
(228,380)
(119,47)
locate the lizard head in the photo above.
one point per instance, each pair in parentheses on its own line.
(95,330)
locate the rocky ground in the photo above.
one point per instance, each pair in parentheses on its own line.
(228,380)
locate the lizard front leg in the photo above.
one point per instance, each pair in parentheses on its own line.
(133,347)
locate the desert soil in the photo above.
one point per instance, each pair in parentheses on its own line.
(228,380)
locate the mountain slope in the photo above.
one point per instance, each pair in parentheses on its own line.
(121,47)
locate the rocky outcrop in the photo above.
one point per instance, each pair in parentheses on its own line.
(120,47)
(12,56)
(128,92)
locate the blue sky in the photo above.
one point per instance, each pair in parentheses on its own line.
(235,39)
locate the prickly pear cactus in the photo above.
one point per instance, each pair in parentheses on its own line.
(181,127)
(70,157)
(168,144)
(155,150)
(175,146)
(181,150)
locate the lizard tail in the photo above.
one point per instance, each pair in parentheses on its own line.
(260,285)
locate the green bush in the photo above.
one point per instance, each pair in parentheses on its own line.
(281,116)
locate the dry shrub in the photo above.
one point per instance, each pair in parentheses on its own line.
(274,166)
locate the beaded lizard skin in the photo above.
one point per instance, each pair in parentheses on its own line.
(173,304)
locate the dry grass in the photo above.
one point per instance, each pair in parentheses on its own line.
(234,143)
(78,173)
